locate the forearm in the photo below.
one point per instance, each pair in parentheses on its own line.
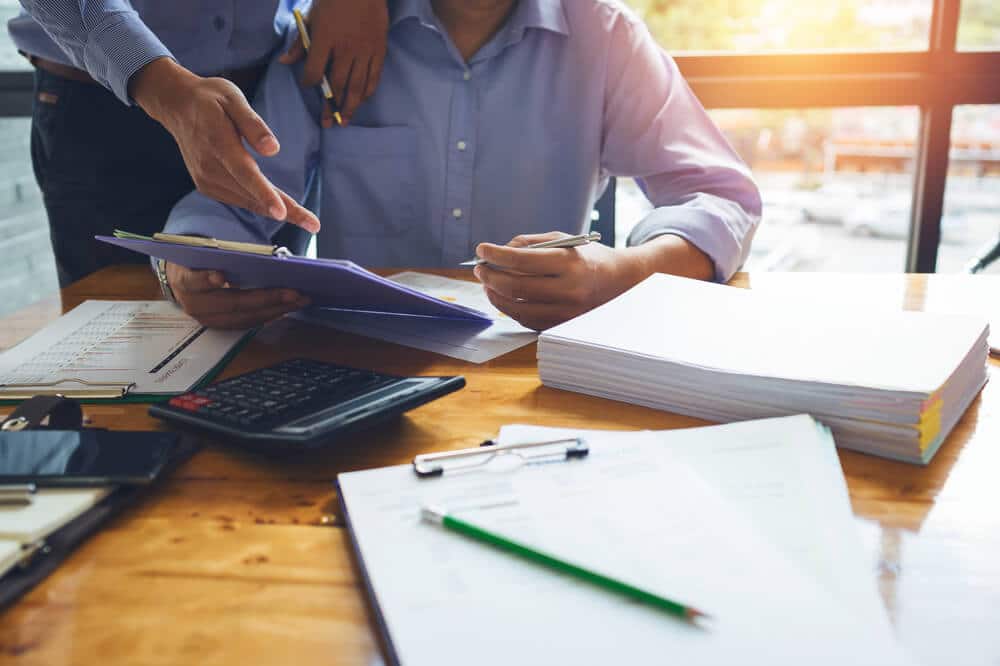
(104,37)
(158,85)
(667,254)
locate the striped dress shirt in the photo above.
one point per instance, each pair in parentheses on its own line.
(113,39)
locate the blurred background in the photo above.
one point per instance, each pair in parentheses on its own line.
(848,112)
(838,182)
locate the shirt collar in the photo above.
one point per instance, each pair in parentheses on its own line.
(542,14)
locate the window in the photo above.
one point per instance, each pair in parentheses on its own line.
(27,271)
(979,25)
(787,25)
(10,59)
(837,186)
(923,61)
(970,225)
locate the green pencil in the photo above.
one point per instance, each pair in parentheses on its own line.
(440,517)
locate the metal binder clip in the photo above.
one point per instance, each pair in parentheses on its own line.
(15,425)
(436,464)
(91,390)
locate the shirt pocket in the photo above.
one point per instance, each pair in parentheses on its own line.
(370,180)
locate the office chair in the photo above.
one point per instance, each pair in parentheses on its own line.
(603,220)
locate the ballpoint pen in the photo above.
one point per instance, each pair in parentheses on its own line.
(567,241)
(438,516)
(17,495)
(325,84)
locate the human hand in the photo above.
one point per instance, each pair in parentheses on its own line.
(209,118)
(348,43)
(543,287)
(205,296)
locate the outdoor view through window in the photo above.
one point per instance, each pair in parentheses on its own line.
(837,183)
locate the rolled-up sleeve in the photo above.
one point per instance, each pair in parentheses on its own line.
(107,38)
(656,131)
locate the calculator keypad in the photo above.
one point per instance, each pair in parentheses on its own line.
(263,399)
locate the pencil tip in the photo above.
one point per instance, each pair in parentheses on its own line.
(338,118)
(694,614)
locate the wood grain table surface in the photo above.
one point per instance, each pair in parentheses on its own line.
(242,559)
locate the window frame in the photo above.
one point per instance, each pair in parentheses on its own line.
(936,81)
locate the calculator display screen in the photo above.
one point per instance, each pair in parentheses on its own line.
(62,457)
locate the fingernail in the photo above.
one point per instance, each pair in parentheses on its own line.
(477,271)
(268,145)
(276,213)
(289,297)
(216,280)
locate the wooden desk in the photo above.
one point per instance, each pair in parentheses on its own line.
(239,559)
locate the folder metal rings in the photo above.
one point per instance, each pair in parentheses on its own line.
(436,464)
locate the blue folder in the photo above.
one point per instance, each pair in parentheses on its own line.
(330,283)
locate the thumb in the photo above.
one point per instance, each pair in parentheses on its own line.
(294,54)
(252,127)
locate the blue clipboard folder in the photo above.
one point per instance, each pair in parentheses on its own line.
(329,283)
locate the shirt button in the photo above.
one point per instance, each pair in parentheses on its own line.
(456,213)
(219,22)
(461,145)
(467,75)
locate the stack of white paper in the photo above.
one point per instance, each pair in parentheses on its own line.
(893,384)
(750,522)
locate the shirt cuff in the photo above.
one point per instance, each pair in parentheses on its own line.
(119,47)
(724,245)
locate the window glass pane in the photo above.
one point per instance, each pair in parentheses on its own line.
(27,272)
(788,25)
(970,226)
(836,185)
(10,59)
(979,25)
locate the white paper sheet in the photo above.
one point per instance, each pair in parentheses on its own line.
(50,509)
(467,341)
(114,343)
(10,553)
(787,480)
(632,510)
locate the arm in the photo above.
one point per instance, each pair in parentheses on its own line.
(104,37)
(656,130)
(707,206)
(293,114)
(109,39)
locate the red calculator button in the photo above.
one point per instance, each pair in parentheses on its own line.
(184,402)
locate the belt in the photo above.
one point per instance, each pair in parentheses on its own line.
(246,79)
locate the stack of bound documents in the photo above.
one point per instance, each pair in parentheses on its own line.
(893,384)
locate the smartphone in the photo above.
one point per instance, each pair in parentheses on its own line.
(84,458)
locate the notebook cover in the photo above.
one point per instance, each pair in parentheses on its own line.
(328,283)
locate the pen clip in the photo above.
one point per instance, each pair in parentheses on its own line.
(430,465)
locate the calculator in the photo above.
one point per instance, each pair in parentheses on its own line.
(301,403)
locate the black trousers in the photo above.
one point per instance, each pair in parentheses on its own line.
(101,166)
